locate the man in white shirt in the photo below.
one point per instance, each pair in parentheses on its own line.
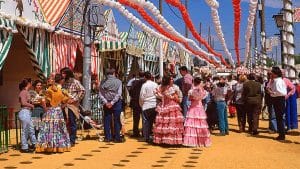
(129,84)
(148,103)
(278,90)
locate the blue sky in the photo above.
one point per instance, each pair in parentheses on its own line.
(200,12)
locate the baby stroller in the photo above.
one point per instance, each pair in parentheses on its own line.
(87,123)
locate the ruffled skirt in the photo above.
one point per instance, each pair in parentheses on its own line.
(53,135)
(196,133)
(168,127)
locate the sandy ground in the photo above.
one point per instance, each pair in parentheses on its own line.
(234,151)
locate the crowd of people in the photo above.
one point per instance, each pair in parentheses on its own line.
(184,111)
(48,115)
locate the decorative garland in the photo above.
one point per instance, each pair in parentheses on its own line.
(156,13)
(153,23)
(191,27)
(252,12)
(237,20)
(214,4)
(135,20)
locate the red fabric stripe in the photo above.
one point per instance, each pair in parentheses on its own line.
(53,10)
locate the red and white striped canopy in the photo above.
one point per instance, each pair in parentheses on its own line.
(53,10)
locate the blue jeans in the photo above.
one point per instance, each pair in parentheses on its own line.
(272,118)
(72,126)
(148,120)
(185,105)
(222,114)
(27,128)
(114,112)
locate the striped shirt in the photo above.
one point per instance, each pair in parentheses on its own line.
(75,89)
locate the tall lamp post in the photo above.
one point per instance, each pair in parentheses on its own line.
(93,21)
(279,23)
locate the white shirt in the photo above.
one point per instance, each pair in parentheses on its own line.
(278,88)
(129,84)
(232,83)
(220,93)
(147,96)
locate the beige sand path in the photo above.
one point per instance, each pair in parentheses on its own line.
(233,151)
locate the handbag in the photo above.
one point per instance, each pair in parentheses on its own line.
(232,109)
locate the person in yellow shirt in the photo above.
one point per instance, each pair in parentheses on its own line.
(53,124)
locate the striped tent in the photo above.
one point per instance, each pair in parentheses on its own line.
(151,63)
(7,27)
(123,36)
(53,10)
(64,51)
(38,45)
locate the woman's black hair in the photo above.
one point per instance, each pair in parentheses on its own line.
(24,83)
(166,81)
(69,73)
(277,71)
(36,82)
(220,84)
(58,77)
(197,81)
(147,75)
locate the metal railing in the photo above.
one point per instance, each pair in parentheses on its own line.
(4,130)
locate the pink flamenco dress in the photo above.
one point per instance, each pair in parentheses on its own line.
(169,121)
(196,133)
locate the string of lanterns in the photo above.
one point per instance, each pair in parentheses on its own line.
(191,27)
(251,17)
(153,23)
(237,20)
(217,23)
(162,21)
(139,23)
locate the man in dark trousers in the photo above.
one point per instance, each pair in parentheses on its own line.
(252,96)
(110,93)
(134,93)
(76,92)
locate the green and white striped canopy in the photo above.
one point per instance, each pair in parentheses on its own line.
(8,25)
(111,46)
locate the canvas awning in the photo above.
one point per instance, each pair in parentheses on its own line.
(8,25)
(111,46)
(54,10)
(6,28)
